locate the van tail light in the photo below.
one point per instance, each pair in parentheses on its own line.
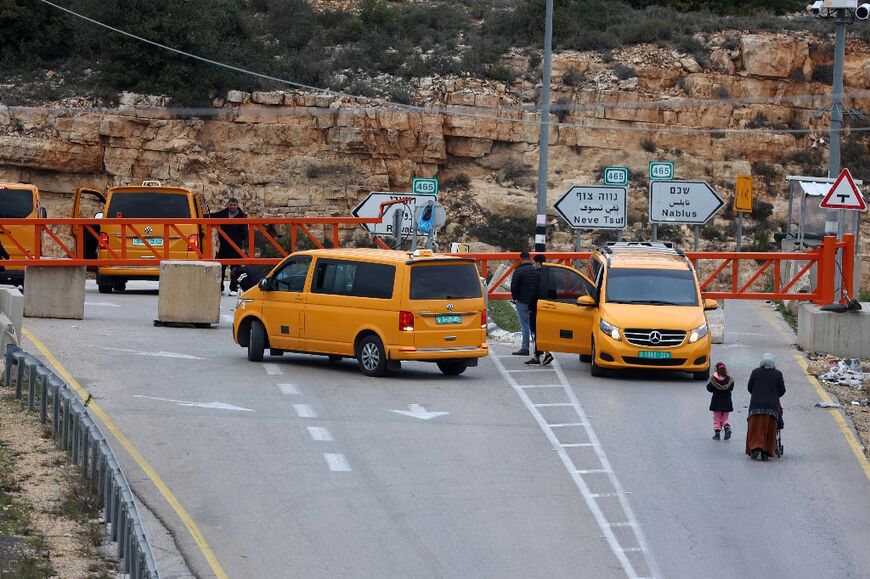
(193,242)
(104,241)
(406,322)
(483,318)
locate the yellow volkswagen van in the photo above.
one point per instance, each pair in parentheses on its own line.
(379,306)
(638,306)
(150,200)
(19,201)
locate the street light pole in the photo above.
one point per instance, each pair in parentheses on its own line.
(544,139)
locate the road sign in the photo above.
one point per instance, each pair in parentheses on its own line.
(844,194)
(616,176)
(661,170)
(743,199)
(690,202)
(424,186)
(371,205)
(594,207)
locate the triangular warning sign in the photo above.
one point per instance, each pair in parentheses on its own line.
(844,194)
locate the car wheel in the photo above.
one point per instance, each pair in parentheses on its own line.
(256,342)
(596,370)
(104,285)
(119,285)
(703,375)
(452,367)
(371,356)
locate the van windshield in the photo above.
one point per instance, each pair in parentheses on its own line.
(149,204)
(445,282)
(658,287)
(16,203)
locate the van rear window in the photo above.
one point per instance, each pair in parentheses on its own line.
(445,282)
(16,203)
(149,204)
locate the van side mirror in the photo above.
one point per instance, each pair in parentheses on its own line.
(710,304)
(585,301)
(265,284)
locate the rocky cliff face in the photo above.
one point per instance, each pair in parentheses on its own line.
(755,103)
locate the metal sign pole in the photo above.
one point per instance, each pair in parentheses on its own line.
(697,231)
(739,229)
(655,231)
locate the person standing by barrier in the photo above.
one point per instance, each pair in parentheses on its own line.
(541,280)
(766,386)
(721,385)
(238,233)
(522,288)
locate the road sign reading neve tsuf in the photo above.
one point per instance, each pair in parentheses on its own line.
(594,207)
(371,205)
(690,202)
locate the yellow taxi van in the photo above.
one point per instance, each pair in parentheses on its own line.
(150,200)
(379,306)
(638,305)
(19,201)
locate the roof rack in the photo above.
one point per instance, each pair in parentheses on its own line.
(665,247)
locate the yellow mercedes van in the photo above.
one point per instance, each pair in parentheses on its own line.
(19,202)
(379,306)
(637,306)
(150,200)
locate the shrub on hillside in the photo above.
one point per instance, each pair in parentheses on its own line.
(509,232)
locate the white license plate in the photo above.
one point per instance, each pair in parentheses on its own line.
(153,241)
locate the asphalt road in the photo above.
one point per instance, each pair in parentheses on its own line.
(300,467)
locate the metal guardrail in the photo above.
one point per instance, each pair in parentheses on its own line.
(74,431)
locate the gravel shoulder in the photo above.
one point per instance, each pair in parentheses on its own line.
(847,395)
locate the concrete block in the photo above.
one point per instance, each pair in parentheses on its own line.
(8,333)
(846,335)
(12,306)
(190,292)
(716,323)
(54,292)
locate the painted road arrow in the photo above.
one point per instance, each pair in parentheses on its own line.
(210,405)
(418,411)
(690,202)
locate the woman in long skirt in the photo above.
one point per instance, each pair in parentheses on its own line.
(766,387)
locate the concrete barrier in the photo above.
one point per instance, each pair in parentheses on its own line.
(54,292)
(12,305)
(190,292)
(716,323)
(846,334)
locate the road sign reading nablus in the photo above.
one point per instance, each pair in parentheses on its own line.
(424,186)
(690,202)
(594,207)
(371,205)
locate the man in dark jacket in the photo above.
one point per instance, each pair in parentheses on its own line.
(238,233)
(541,291)
(522,293)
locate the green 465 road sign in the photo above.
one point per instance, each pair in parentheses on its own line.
(661,170)
(424,186)
(616,176)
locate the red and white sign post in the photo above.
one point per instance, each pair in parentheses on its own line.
(843,196)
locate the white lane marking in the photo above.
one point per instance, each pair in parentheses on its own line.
(304,411)
(212,405)
(227,318)
(591,471)
(154,354)
(288,389)
(103,304)
(550,404)
(418,411)
(521,370)
(566,424)
(272,369)
(320,434)
(579,481)
(542,386)
(578,445)
(336,462)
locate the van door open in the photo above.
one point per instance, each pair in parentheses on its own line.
(87,204)
(562,325)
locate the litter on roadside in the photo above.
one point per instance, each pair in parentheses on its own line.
(828,405)
(847,372)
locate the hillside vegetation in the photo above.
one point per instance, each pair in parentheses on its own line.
(328,45)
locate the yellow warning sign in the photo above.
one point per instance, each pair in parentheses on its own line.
(743,199)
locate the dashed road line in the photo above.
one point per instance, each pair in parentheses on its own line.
(272,369)
(336,462)
(320,434)
(589,497)
(304,411)
(288,389)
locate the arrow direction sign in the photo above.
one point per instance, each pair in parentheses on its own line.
(844,194)
(690,202)
(418,411)
(211,405)
(594,207)
(371,206)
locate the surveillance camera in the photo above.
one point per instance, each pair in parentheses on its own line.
(863,11)
(816,7)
